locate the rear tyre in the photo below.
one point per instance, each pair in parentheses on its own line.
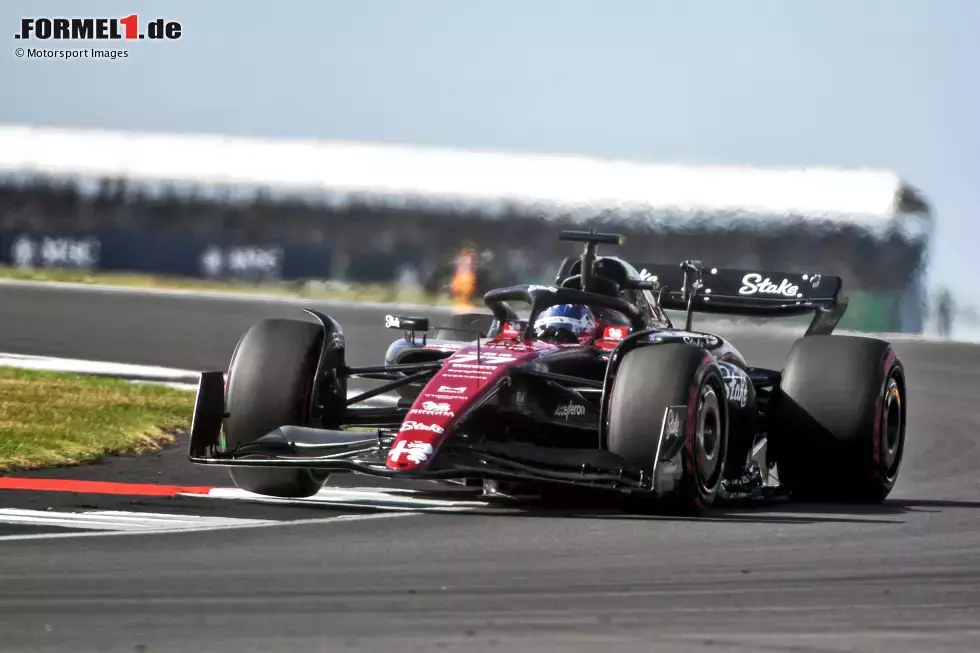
(840,414)
(270,381)
(649,380)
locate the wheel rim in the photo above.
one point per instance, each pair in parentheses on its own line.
(708,433)
(892,427)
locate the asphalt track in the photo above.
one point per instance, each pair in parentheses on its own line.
(904,576)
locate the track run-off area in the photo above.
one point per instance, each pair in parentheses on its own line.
(195,565)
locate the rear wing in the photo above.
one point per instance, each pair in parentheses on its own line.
(692,287)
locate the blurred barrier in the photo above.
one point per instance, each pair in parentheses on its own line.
(130,250)
(443,221)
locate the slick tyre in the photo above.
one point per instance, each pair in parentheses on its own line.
(839,418)
(649,380)
(269,385)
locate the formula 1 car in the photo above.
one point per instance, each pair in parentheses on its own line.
(669,418)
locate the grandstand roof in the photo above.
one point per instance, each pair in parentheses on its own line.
(572,187)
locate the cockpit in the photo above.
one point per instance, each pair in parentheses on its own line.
(612,277)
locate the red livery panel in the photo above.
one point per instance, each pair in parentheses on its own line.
(460,384)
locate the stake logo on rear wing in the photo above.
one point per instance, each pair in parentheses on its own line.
(692,287)
(732,283)
(754,283)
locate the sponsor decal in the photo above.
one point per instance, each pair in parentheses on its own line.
(571,409)
(672,432)
(392,322)
(422,411)
(242,262)
(417,451)
(433,408)
(435,395)
(486,358)
(697,341)
(753,283)
(813,279)
(669,469)
(736,384)
(672,426)
(419,426)
(475,369)
(545,288)
(509,330)
(615,333)
(524,348)
(652,278)
(448,390)
(520,398)
(50,252)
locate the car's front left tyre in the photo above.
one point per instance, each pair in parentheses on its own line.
(270,382)
(649,380)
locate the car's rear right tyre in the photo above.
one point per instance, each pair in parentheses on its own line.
(648,381)
(270,381)
(839,419)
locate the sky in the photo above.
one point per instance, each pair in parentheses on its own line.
(856,83)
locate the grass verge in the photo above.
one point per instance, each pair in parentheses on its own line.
(53,418)
(326,290)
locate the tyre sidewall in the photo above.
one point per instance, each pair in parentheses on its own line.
(830,421)
(648,381)
(270,381)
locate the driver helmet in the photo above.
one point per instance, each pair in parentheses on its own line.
(574,323)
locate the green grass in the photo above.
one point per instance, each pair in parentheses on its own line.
(53,418)
(312,289)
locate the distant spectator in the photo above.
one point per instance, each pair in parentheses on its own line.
(464,280)
(944,313)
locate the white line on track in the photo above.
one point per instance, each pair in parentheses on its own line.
(378,498)
(389,503)
(84,366)
(146,374)
(239,525)
(112,520)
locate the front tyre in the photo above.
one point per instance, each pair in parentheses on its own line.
(270,381)
(648,381)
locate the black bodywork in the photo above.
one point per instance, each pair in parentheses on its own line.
(515,432)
